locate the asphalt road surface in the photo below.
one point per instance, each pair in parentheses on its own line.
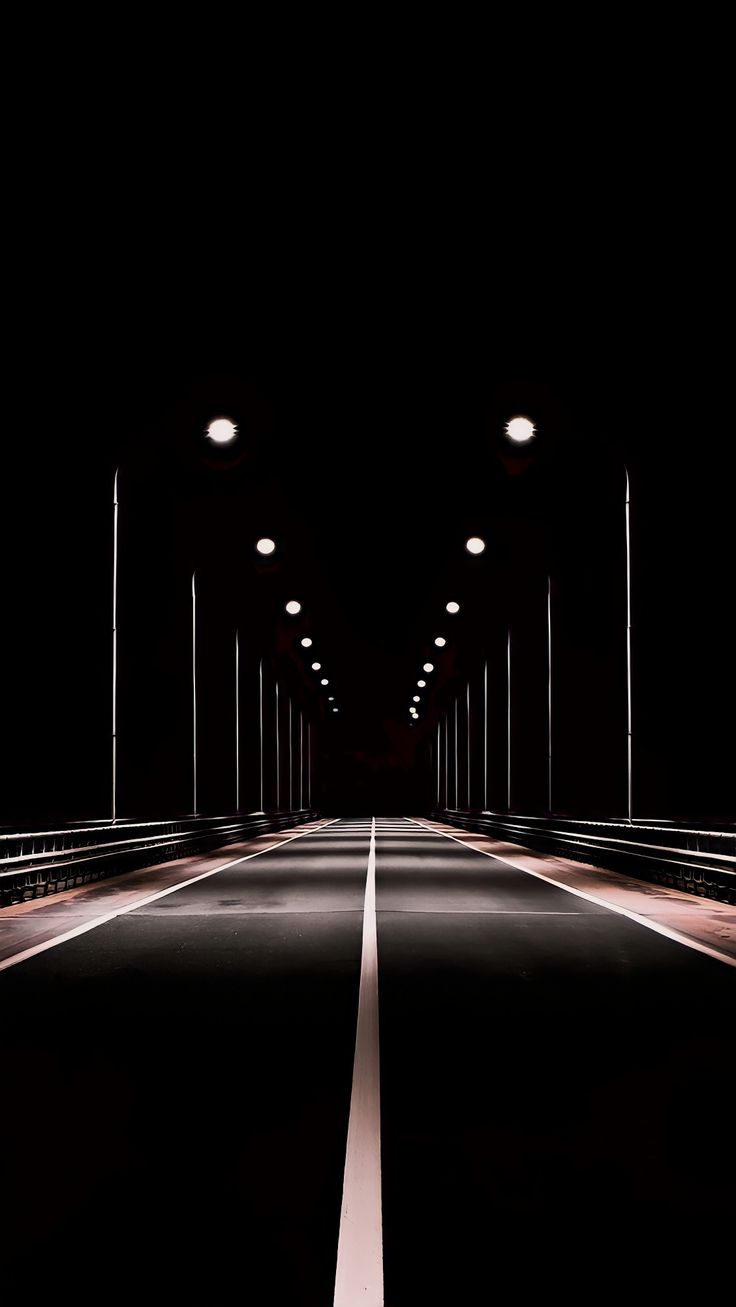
(557,1088)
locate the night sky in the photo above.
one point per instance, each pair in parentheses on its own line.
(371,408)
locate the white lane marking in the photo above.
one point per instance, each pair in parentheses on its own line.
(359,1276)
(656,926)
(31,952)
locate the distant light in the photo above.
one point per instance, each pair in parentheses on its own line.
(428,667)
(316,667)
(520,431)
(475,545)
(452,607)
(293,607)
(334,709)
(265,546)
(415,697)
(421,684)
(330,698)
(440,642)
(306,642)
(221,431)
(324,681)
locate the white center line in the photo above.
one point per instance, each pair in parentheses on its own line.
(359,1277)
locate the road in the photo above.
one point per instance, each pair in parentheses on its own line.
(556,1086)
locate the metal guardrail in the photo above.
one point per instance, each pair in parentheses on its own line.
(36,863)
(688,858)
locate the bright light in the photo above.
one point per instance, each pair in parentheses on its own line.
(421,684)
(428,667)
(316,667)
(306,642)
(452,607)
(324,681)
(334,709)
(415,697)
(440,642)
(330,698)
(520,431)
(265,546)
(293,607)
(475,545)
(221,431)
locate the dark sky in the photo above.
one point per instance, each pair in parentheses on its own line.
(371,405)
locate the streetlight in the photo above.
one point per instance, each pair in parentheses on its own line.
(115,644)
(520,430)
(416,698)
(316,667)
(194,691)
(324,681)
(452,607)
(330,698)
(421,684)
(475,545)
(265,546)
(334,709)
(440,642)
(293,607)
(221,431)
(428,667)
(306,642)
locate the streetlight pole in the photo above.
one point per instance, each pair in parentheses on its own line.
(291,793)
(237,723)
(508,721)
(456,760)
(447,766)
(301,760)
(115,646)
(467,700)
(485,736)
(194,691)
(260,722)
(278,754)
(628,642)
(439,750)
(549,694)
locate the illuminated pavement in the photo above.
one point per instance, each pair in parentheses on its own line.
(557,1080)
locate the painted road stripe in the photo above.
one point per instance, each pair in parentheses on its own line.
(27,953)
(359,1277)
(656,926)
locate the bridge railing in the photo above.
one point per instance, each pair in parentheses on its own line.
(36,863)
(690,858)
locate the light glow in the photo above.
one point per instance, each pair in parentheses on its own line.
(306,642)
(293,607)
(265,546)
(452,607)
(324,681)
(421,684)
(415,697)
(428,667)
(316,667)
(440,642)
(475,545)
(520,431)
(221,431)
